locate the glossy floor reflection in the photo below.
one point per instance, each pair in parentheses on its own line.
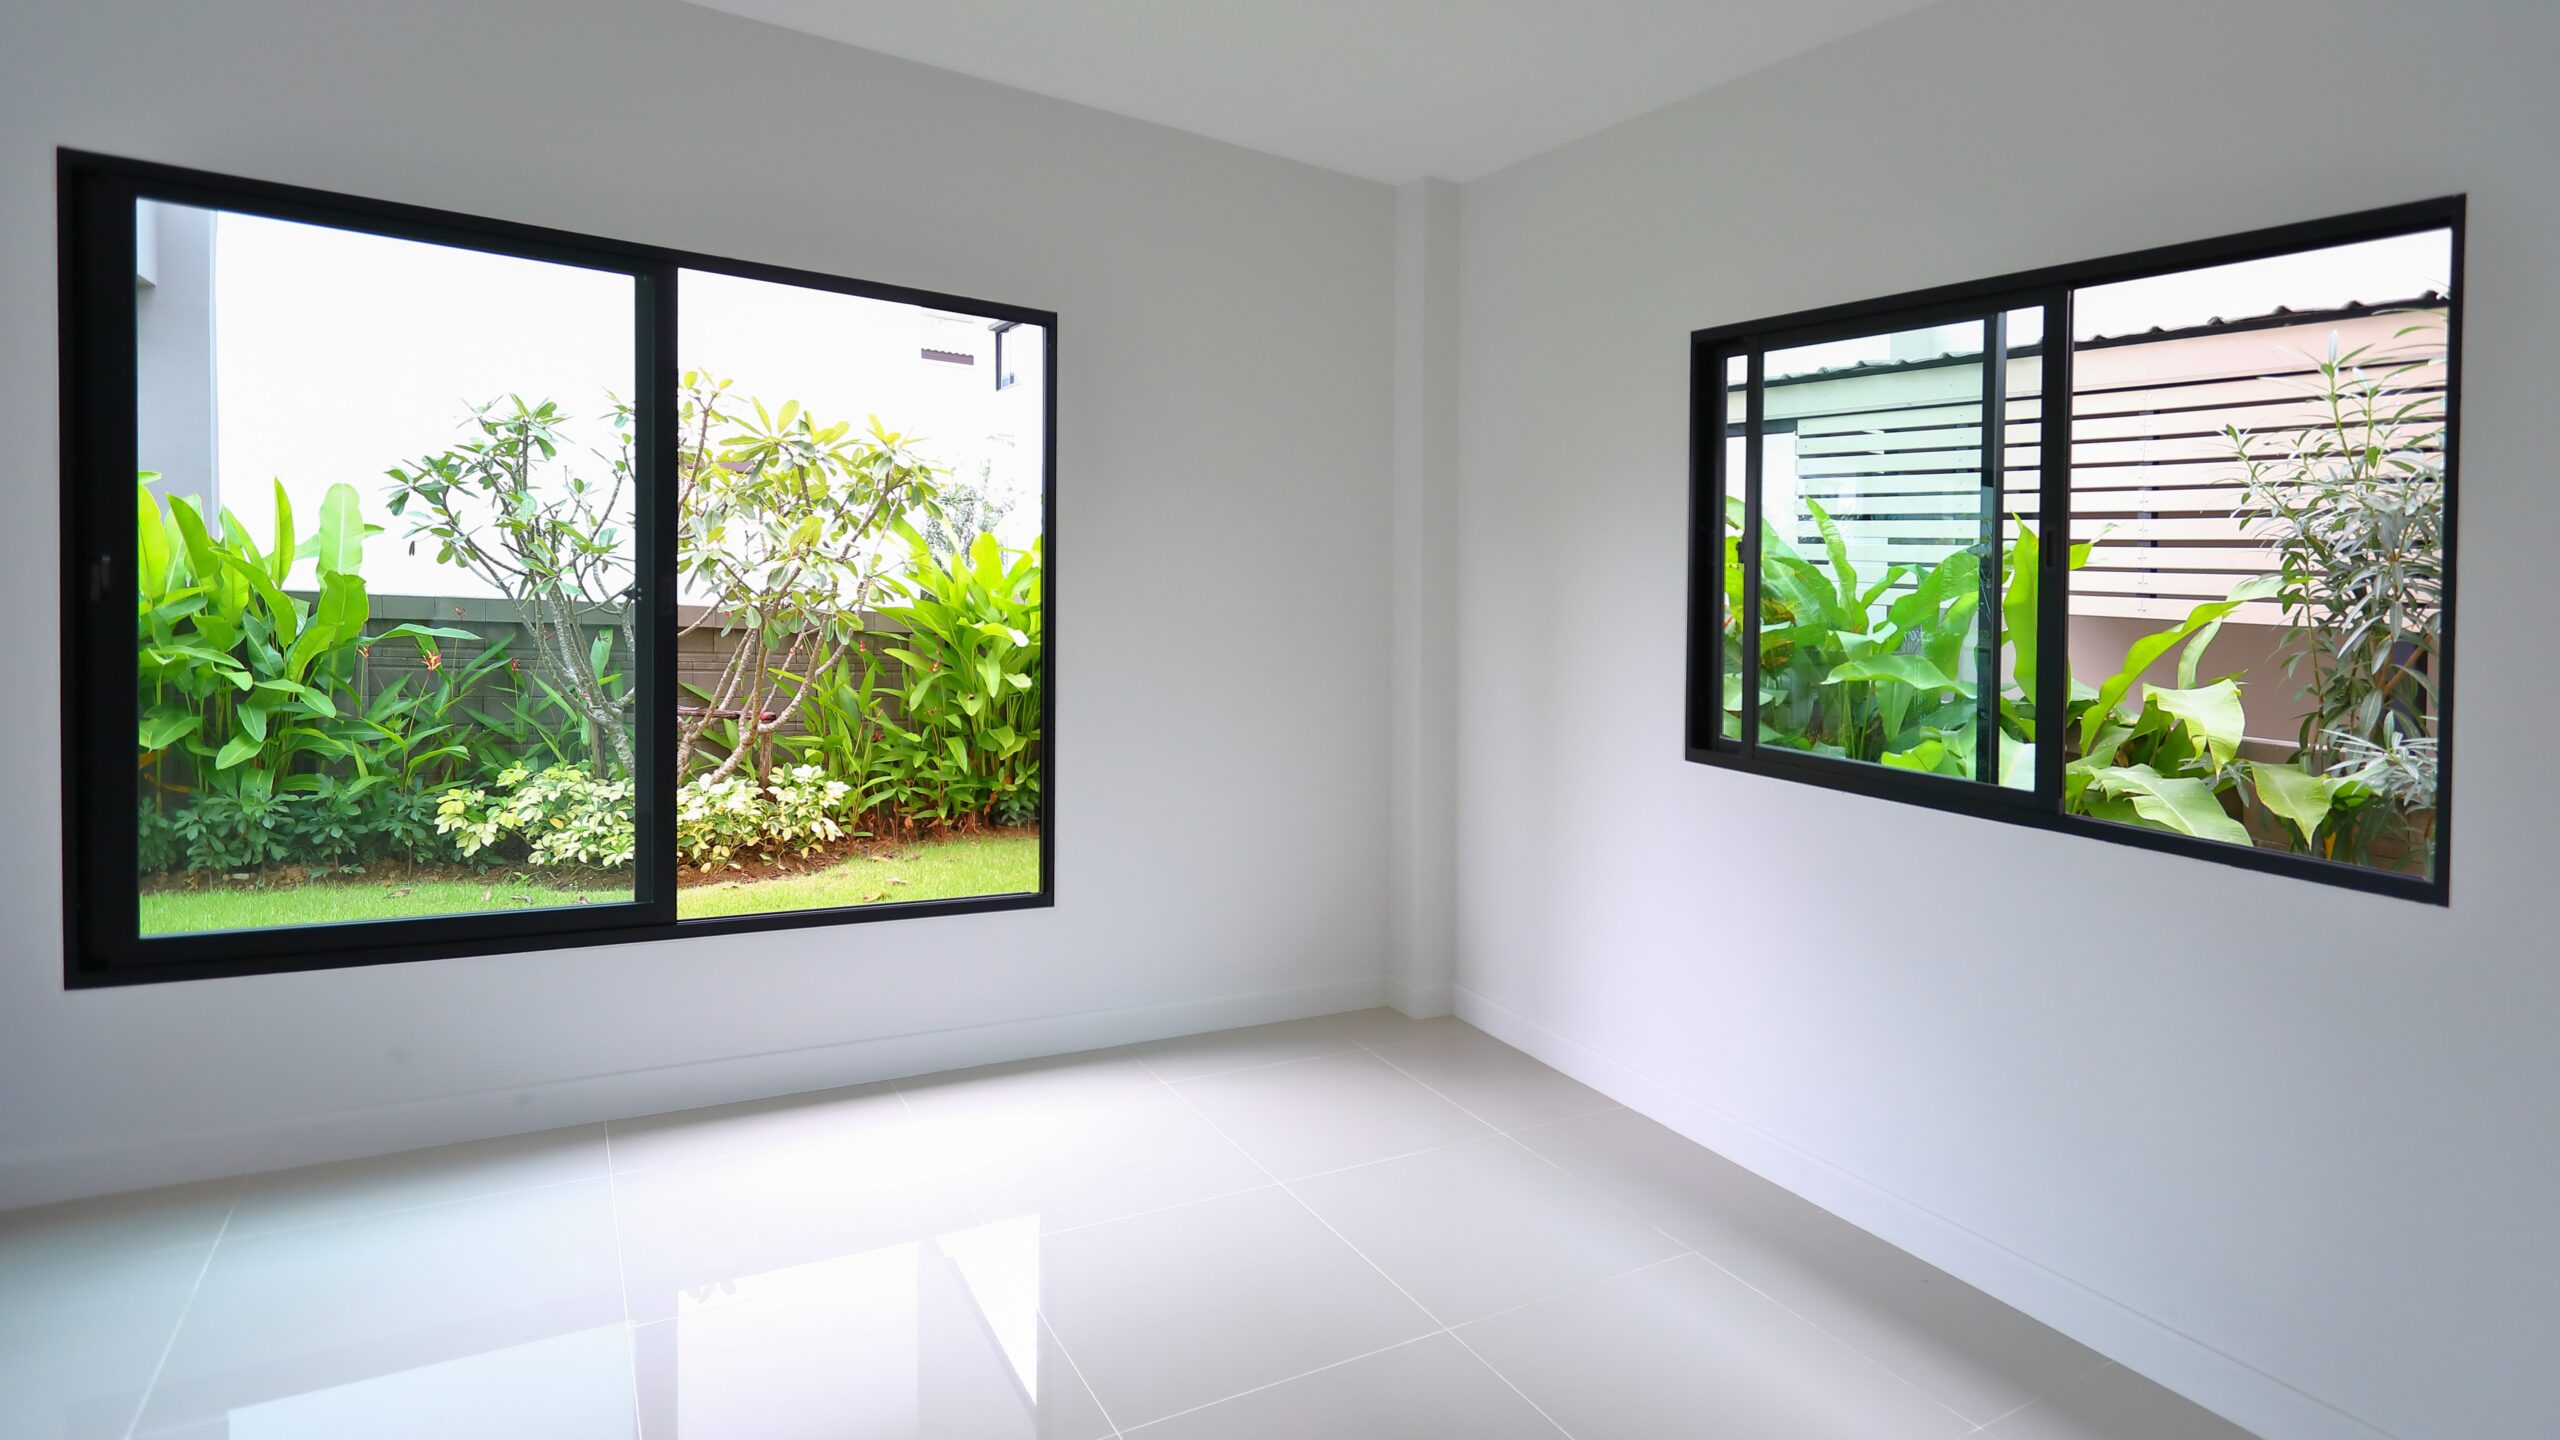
(1356,1226)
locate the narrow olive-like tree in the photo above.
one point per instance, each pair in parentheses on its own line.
(2352,506)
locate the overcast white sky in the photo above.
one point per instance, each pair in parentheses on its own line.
(339,355)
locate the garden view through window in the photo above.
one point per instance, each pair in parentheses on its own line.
(402,573)
(2235,636)
(860,627)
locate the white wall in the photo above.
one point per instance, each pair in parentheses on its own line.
(1225,338)
(2287,1148)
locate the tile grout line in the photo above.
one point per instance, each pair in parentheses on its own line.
(1578,1286)
(1040,1311)
(1682,1249)
(1283,1187)
(1349,1046)
(1156,1210)
(2041,1396)
(1284,1380)
(1593,1283)
(742,1152)
(622,1282)
(1427,1312)
(1513,1135)
(1604,1196)
(605,1174)
(1389,1062)
(1508,1134)
(1808,1320)
(1156,1078)
(169,1347)
(1496,1372)
(1824,1331)
(1079,1372)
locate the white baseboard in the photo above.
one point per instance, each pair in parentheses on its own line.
(2220,1382)
(348,1134)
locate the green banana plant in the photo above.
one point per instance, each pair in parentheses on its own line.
(1839,679)
(1843,671)
(245,687)
(964,740)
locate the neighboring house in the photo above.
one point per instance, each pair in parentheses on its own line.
(1890,449)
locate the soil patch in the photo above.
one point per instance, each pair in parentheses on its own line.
(388,873)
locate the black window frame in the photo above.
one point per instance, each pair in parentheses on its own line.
(2051,287)
(1004,376)
(95,227)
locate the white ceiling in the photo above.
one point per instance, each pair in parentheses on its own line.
(1387,89)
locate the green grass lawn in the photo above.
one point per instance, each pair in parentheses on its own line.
(174,912)
(939,870)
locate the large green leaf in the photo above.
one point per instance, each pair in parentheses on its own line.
(166,725)
(2140,655)
(2211,714)
(2017,762)
(1844,576)
(339,542)
(2300,797)
(2184,803)
(1950,632)
(1893,704)
(1801,588)
(227,594)
(337,619)
(151,547)
(1909,670)
(280,559)
(283,611)
(439,632)
(2018,608)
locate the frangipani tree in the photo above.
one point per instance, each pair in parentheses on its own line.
(782,530)
(552,540)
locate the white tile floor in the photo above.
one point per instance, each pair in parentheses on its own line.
(1363,1226)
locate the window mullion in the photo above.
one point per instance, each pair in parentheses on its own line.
(1754,420)
(2053,586)
(654,457)
(1994,435)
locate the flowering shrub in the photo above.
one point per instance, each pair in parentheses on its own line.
(563,815)
(799,811)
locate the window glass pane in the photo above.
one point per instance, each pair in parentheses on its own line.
(861,609)
(2258,468)
(1875,518)
(386,547)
